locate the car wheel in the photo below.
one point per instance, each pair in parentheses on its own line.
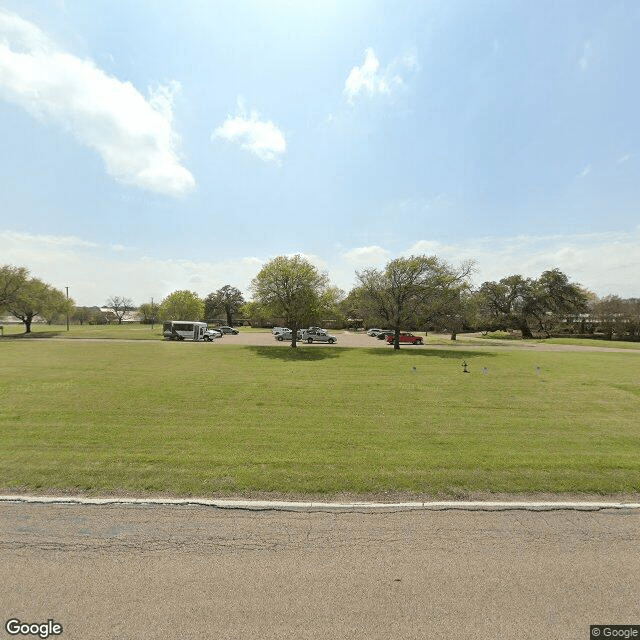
(207,338)
(279,338)
(419,342)
(331,341)
(309,340)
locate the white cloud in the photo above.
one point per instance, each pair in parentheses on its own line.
(262,138)
(604,262)
(134,136)
(373,256)
(370,80)
(94,272)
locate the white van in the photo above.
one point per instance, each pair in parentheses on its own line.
(188,330)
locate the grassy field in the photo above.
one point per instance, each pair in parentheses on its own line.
(133,331)
(192,419)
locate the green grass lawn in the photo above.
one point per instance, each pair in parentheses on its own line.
(132,331)
(586,342)
(217,419)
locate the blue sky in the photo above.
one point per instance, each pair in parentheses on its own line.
(149,146)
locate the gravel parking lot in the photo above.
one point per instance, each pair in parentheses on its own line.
(345,339)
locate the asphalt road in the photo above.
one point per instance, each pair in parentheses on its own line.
(181,572)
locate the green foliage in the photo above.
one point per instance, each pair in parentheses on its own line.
(614,316)
(520,302)
(293,289)
(149,312)
(12,279)
(38,298)
(81,314)
(500,335)
(227,300)
(417,289)
(182,305)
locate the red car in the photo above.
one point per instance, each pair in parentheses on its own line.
(406,337)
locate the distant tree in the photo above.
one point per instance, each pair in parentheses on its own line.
(292,288)
(617,317)
(227,300)
(331,305)
(120,306)
(409,290)
(182,305)
(522,302)
(12,279)
(149,312)
(38,298)
(81,315)
(458,311)
(257,315)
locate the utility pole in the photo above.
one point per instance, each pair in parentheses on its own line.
(67,288)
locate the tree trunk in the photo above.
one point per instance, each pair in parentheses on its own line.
(524,328)
(454,334)
(396,339)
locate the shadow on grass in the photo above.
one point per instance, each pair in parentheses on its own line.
(448,354)
(300,354)
(31,336)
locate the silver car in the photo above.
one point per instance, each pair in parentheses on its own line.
(287,334)
(320,336)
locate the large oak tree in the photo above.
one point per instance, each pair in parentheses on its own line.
(516,301)
(227,299)
(408,290)
(292,288)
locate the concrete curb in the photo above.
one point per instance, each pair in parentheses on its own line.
(268,505)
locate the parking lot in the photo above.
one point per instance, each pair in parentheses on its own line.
(345,339)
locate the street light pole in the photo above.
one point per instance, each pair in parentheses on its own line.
(67,288)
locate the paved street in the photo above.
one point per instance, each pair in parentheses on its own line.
(125,571)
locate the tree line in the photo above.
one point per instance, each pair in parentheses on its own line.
(416,293)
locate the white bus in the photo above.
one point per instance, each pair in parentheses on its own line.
(188,330)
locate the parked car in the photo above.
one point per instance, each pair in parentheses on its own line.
(230,330)
(279,330)
(313,330)
(319,336)
(287,334)
(407,337)
(373,331)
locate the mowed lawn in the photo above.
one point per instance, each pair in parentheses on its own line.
(214,419)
